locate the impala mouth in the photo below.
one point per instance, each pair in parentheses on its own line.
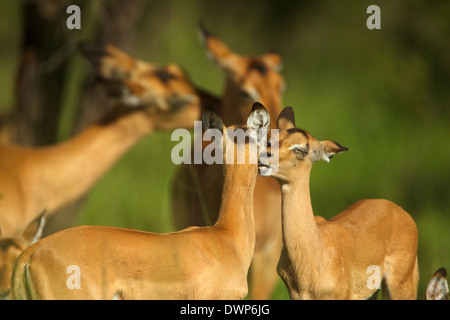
(264,169)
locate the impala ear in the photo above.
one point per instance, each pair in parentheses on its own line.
(33,231)
(210,119)
(327,149)
(286,119)
(437,288)
(274,60)
(109,62)
(175,70)
(258,121)
(217,50)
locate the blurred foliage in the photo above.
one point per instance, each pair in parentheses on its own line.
(382,93)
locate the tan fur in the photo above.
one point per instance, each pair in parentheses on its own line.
(194,263)
(11,248)
(139,82)
(34,179)
(7,129)
(199,205)
(329,259)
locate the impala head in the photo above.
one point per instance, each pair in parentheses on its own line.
(295,149)
(437,288)
(141,84)
(250,135)
(11,248)
(249,78)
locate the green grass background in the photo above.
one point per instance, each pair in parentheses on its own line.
(384,94)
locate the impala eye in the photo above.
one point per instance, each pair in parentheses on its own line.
(249,92)
(300,150)
(244,94)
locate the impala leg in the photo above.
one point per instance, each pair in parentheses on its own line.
(401,284)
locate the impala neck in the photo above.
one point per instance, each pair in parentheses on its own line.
(236,209)
(301,237)
(234,112)
(80,162)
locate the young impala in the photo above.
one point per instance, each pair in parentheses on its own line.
(197,188)
(195,263)
(336,259)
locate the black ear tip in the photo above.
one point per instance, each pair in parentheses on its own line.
(208,111)
(341,148)
(289,109)
(258,106)
(442,272)
(209,107)
(288,112)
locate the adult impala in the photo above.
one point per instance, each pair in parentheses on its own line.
(197,188)
(38,178)
(195,263)
(334,259)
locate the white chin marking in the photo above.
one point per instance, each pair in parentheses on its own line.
(264,171)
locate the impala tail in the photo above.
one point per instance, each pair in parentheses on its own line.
(21,289)
(12,247)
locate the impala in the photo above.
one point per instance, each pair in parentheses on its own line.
(50,177)
(334,259)
(195,263)
(437,288)
(11,248)
(197,189)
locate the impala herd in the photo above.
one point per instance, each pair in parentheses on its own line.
(241,225)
